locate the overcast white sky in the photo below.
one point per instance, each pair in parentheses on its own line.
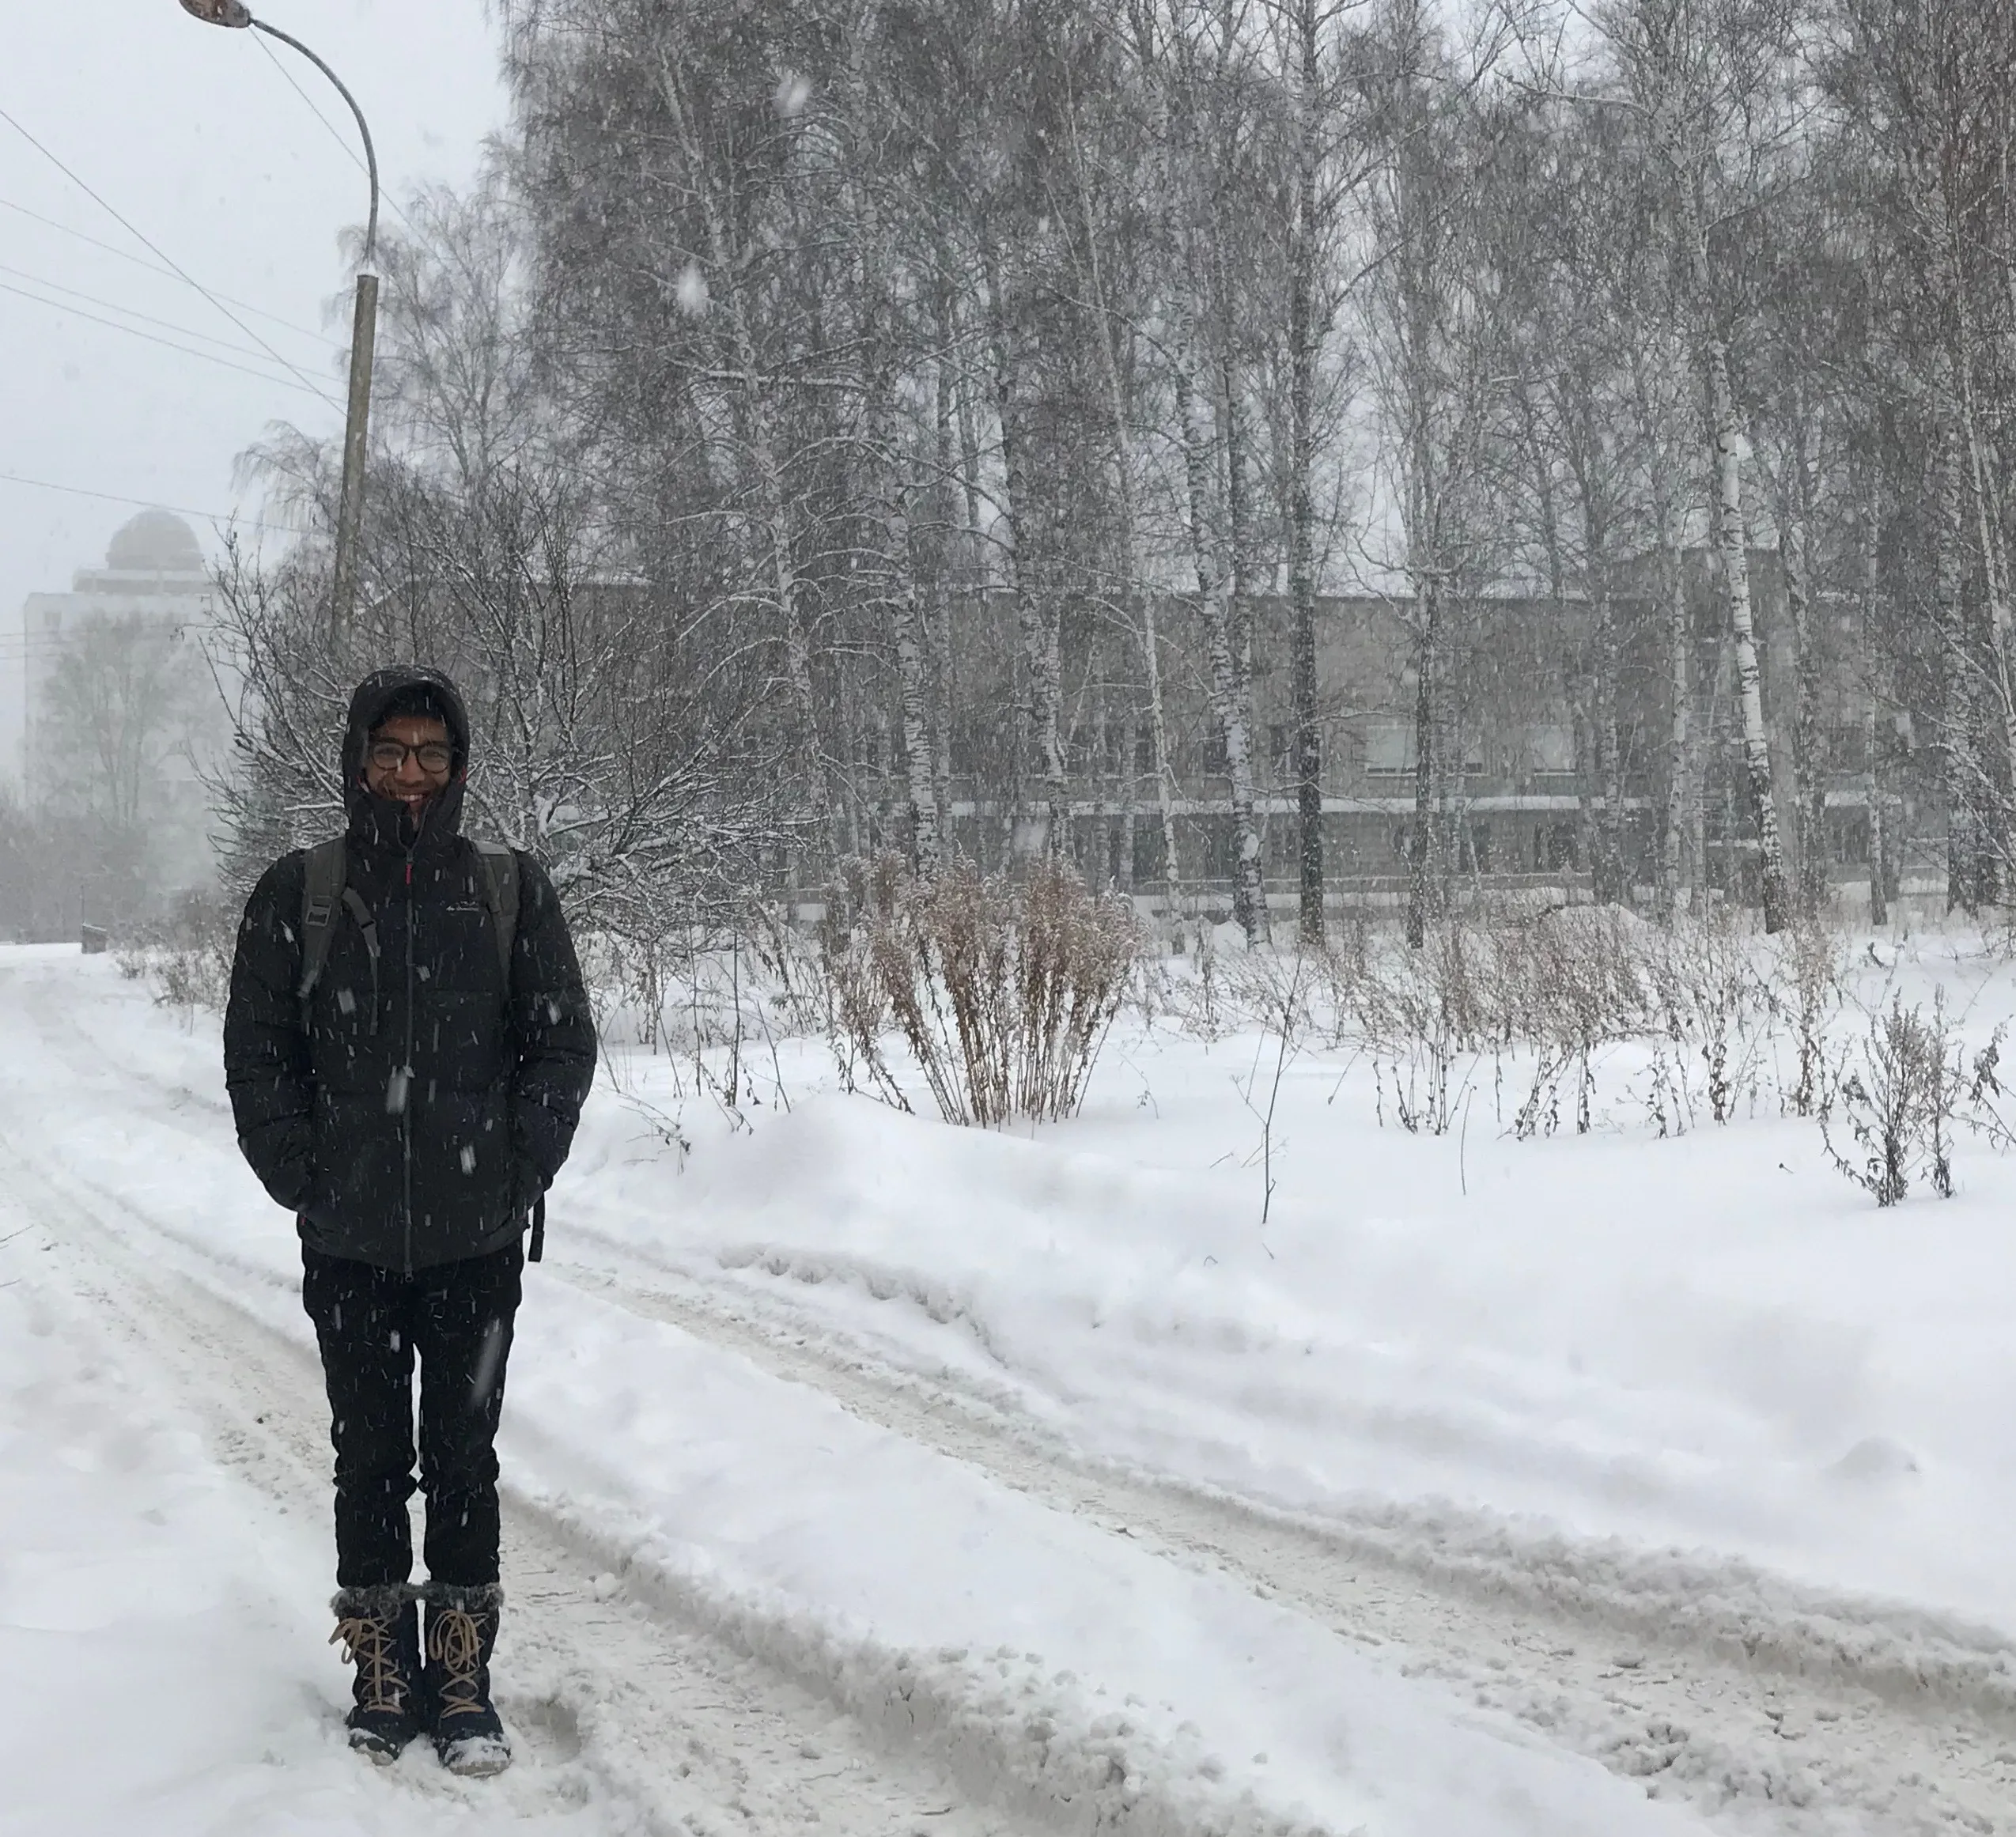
(195,137)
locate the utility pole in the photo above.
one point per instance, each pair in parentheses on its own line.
(364,324)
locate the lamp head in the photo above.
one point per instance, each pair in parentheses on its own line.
(232,12)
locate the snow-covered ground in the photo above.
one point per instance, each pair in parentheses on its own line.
(924,1480)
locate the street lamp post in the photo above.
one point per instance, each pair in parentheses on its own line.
(364,326)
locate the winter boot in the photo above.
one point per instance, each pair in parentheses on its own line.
(379,1628)
(461,1635)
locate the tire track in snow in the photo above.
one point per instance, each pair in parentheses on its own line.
(674,1730)
(969,1747)
(1776,1708)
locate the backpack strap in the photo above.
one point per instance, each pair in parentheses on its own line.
(500,865)
(322,892)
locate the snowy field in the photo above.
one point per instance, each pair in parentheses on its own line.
(874,1474)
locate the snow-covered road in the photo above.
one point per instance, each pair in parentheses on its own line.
(1748,1694)
(630,1717)
(770,1571)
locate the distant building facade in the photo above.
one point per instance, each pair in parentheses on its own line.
(1522,793)
(121,717)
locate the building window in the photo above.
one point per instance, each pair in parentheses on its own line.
(1550,751)
(1148,854)
(1390,752)
(1554,848)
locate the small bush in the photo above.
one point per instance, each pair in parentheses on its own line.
(1003,993)
(1899,1096)
(187,958)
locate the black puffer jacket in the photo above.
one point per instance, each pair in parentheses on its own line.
(420,1112)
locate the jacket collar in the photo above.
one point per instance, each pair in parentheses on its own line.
(381,823)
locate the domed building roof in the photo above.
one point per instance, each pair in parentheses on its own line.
(156,541)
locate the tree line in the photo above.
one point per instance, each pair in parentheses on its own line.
(815,398)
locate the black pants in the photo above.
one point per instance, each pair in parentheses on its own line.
(370,1323)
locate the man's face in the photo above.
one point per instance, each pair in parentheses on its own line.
(408,759)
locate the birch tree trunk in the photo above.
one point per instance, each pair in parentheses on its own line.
(1672,44)
(1809,760)
(1680,659)
(1609,873)
(1219,561)
(913,674)
(902,604)
(1036,612)
(1708,726)
(938,611)
(1731,446)
(1966,779)
(1227,687)
(1609,879)
(1303,341)
(1427,884)
(1872,790)
(1139,591)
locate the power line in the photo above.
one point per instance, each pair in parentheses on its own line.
(144,503)
(165,256)
(155,267)
(153,338)
(132,311)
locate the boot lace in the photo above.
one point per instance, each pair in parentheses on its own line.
(369,1644)
(455,1641)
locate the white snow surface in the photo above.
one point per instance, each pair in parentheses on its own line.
(922,1422)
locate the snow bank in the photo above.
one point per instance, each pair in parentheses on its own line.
(162,1667)
(1039,1655)
(1709,1342)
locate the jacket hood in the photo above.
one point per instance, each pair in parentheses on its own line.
(381,818)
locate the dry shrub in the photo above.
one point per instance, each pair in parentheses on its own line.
(1711,998)
(186,958)
(1559,984)
(1893,1097)
(1810,964)
(1543,995)
(1901,1092)
(1003,992)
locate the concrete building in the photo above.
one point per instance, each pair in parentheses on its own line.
(121,717)
(1521,795)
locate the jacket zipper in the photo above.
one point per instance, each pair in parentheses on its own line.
(406,1073)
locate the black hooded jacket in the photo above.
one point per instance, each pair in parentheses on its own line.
(412,1116)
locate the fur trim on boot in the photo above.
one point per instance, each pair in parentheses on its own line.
(462,1623)
(379,1629)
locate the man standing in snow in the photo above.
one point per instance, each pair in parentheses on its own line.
(407,1048)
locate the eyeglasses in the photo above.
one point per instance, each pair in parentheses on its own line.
(435,756)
